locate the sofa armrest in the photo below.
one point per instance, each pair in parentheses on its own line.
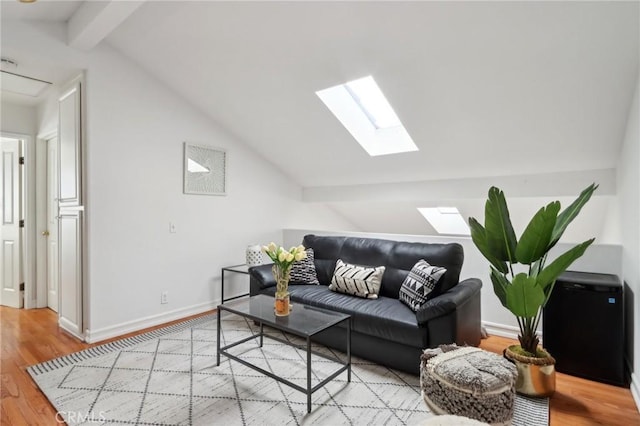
(260,277)
(449,302)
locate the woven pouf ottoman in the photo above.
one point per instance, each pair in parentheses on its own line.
(468,382)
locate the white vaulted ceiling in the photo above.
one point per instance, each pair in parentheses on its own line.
(484,89)
(492,93)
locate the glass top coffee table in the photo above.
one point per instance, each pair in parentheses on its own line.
(304,321)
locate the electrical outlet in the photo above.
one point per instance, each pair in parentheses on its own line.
(164,297)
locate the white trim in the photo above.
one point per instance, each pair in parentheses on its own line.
(93,336)
(495,329)
(509,331)
(68,326)
(635,389)
(29,216)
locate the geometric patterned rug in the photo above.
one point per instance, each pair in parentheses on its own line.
(169,377)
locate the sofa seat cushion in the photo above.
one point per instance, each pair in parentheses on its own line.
(383,317)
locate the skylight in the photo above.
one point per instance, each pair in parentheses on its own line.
(364,111)
(371,100)
(445,220)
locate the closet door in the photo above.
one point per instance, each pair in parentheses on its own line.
(70,222)
(70,144)
(70,284)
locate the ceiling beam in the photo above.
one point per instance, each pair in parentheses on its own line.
(540,185)
(94,20)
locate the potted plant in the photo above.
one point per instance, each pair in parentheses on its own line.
(522,279)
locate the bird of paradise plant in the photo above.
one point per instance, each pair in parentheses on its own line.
(526,293)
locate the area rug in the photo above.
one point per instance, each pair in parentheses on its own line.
(169,377)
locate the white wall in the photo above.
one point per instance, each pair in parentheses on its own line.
(135,142)
(17,118)
(603,258)
(135,133)
(629,201)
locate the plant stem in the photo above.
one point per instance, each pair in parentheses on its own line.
(537,321)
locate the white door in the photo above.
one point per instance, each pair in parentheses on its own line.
(70,216)
(70,308)
(10,235)
(51,234)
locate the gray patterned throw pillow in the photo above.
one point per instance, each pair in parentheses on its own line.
(419,285)
(304,271)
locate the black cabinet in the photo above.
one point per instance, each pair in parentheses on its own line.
(583,326)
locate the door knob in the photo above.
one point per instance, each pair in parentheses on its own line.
(45,233)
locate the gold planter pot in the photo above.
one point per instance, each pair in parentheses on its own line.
(536,376)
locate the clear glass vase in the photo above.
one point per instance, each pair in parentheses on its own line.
(282,303)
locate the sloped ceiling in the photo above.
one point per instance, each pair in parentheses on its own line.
(489,91)
(485,89)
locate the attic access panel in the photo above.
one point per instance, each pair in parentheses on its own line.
(205,170)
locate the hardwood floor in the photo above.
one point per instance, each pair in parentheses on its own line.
(580,402)
(32,336)
(29,337)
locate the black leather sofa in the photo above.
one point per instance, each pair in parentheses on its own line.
(385,330)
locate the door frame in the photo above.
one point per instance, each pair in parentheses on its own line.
(38,192)
(41,219)
(28,249)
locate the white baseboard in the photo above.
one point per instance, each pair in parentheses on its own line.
(635,389)
(69,327)
(93,336)
(495,329)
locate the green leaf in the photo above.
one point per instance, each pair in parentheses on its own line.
(479,237)
(500,284)
(535,239)
(549,274)
(570,213)
(535,268)
(524,296)
(500,236)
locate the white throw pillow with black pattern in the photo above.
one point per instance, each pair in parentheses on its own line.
(304,271)
(420,284)
(361,281)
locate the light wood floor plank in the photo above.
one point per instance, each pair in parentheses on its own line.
(32,336)
(580,402)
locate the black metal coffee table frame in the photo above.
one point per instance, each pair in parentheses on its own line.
(263,318)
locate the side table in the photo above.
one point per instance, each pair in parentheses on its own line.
(236,269)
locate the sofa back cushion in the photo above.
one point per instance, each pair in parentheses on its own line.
(397,257)
(405,255)
(326,251)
